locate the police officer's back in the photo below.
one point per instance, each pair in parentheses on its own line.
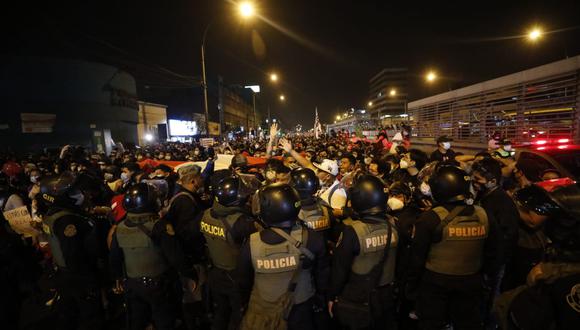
(313,213)
(146,253)
(75,251)
(284,266)
(226,226)
(453,243)
(363,269)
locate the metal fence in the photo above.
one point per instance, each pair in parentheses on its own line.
(541,108)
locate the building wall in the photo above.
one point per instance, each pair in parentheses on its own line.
(84,97)
(379,88)
(150,116)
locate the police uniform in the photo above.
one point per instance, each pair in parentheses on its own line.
(145,248)
(452,256)
(225,229)
(267,264)
(360,249)
(75,249)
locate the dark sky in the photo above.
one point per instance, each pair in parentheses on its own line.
(343,43)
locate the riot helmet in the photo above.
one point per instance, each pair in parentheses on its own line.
(305,181)
(449,184)
(279,205)
(61,191)
(231,191)
(368,196)
(142,198)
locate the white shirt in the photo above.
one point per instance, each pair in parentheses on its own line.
(338,200)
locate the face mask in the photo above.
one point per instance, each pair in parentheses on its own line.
(167,157)
(507,148)
(395,203)
(34,179)
(446,145)
(425,189)
(368,160)
(125,177)
(73,168)
(403,164)
(355,155)
(196,152)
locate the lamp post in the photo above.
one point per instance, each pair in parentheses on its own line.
(246,10)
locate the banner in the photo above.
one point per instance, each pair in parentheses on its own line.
(37,122)
(207,142)
(20,221)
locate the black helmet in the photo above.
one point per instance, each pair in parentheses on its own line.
(367,196)
(279,205)
(231,191)
(305,181)
(449,184)
(239,160)
(57,190)
(141,198)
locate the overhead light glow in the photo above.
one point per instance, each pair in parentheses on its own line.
(246,9)
(148,137)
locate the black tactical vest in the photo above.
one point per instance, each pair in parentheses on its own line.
(315,216)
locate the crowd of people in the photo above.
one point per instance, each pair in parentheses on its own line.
(297,232)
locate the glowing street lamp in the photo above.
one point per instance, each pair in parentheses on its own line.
(431,76)
(246,9)
(393,92)
(338,117)
(535,34)
(273,77)
(282,97)
(370,104)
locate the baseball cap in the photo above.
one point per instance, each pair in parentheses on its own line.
(328,166)
(444,138)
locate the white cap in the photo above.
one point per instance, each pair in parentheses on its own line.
(328,166)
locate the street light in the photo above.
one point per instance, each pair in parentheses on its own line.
(370,104)
(246,10)
(338,117)
(274,77)
(535,34)
(431,76)
(393,92)
(282,97)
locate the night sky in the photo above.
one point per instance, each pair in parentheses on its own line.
(325,58)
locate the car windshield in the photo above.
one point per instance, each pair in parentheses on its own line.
(569,159)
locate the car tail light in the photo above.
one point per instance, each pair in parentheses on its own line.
(563,140)
(564,146)
(541,148)
(541,142)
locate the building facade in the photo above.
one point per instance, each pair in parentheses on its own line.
(388,95)
(51,102)
(152,125)
(541,102)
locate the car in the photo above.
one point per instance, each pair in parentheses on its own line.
(538,157)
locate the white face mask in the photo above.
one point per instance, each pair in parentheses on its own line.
(34,179)
(395,203)
(368,160)
(125,177)
(196,152)
(403,164)
(425,189)
(507,148)
(446,145)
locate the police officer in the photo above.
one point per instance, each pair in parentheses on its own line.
(551,298)
(226,226)
(313,213)
(143,252)
(284,266)
(75,252)
(453,243)
(363,269)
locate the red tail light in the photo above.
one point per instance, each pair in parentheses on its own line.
(541,142)
(563,140)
